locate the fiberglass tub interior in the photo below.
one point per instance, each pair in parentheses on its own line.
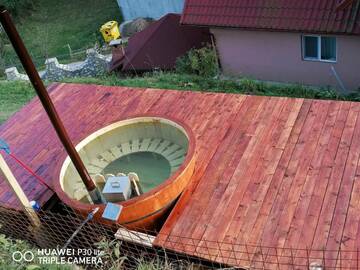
(153,148)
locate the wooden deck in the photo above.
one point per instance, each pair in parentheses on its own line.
(270,172)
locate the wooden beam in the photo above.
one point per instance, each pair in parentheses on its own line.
(13,183)
(134,237)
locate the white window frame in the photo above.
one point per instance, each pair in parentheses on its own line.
(318,58)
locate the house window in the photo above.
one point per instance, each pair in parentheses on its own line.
(319,48)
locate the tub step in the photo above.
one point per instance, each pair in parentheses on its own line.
(154,144)
(145,145)
(108,156)
(135,145)
(99,163)
(171,149)
(116,152)
(125,148)
(162,146)
(92,169)
(177,154)
(177,162)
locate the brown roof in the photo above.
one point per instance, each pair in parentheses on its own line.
(318,16)
(159,45)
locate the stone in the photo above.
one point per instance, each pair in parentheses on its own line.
(95,64)
(130,28)
(12,74)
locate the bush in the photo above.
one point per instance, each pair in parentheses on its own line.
(355,96)
(111,254)
(201,62)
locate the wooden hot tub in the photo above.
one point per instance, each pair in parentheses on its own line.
(172,140)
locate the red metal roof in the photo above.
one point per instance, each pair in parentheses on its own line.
(318,16)
(159,45)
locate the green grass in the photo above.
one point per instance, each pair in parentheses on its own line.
(176,81)
(13,95)
(55,23)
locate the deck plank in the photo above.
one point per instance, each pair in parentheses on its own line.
(243,173)
(177,221)
(247,215)
(290,132)
(311,183)
(322,181)
(329,202)
(309,154)
(351,229)
(345,191)
(213,173)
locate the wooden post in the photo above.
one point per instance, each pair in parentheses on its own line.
(70,50)
(13,183)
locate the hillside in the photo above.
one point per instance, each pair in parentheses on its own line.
(54,26)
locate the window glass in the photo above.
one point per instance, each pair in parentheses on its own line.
(328,48)
(311,49)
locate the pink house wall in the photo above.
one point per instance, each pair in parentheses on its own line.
(276,56)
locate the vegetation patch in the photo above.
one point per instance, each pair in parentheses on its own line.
(178,81)
(203,62)
(117,258)
(13,95)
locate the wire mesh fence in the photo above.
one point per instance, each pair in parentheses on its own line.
(75,56)
(65,228)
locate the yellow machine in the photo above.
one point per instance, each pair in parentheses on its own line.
(110,31)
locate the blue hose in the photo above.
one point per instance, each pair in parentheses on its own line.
(4,146)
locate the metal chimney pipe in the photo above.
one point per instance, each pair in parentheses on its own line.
(49,107)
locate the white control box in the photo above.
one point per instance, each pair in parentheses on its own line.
(117,189)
